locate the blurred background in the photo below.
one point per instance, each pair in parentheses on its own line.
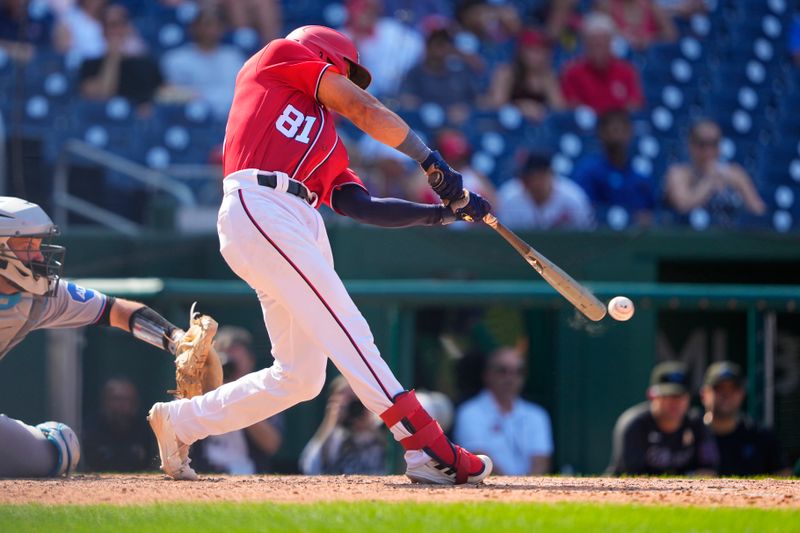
(649,147)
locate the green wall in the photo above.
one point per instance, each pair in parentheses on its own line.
(584,375)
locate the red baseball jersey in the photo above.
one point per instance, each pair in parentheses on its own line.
(276,122)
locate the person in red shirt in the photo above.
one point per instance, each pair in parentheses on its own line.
(282,157)
(599,79)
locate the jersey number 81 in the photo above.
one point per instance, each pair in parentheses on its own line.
(290,121)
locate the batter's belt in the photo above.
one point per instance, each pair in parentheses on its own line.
(278,181)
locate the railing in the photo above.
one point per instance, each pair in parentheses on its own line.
(3,162)
(65,202)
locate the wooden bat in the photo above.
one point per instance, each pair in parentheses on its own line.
(575,293)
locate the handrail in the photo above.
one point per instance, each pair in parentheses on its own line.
(455,292)
(65,202)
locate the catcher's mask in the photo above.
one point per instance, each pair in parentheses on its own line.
(334,47)
(28,260)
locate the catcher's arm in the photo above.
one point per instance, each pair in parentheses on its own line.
(198,367)
(144,323)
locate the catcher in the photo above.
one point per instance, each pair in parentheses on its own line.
(33,296)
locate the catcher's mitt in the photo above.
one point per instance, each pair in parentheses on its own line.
(197,366)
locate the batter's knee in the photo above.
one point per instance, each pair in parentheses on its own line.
(302,387)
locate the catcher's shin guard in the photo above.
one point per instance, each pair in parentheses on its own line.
(68,448)
(450,464)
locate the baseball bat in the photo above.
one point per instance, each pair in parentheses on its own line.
(575,293)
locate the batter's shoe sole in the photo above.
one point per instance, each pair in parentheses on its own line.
(174,454)
(435,473)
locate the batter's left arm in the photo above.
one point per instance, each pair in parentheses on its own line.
(358,204)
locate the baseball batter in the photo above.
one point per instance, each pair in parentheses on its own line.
(32,296)
(282,159)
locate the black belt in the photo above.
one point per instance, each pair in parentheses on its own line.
(268,179)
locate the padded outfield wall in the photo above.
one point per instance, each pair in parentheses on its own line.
(584,376)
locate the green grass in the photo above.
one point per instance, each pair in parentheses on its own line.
(392,518)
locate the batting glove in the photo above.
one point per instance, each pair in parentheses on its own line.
(444,181)
(472,207)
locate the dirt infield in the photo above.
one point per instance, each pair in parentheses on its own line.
(152,488)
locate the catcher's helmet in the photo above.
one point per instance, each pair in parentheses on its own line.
(38,270)
(335,48)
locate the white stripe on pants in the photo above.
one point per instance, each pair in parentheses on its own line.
(302,323)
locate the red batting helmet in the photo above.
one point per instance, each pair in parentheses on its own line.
(335,48)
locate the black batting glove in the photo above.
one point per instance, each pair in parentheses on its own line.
(444,181)
(471,208)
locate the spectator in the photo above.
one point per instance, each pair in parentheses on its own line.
(683,8)
(530,82)
(538,199)
(515,433)
(264,16)
(388,173)
(20,34)
(657,437)
(563,22)
(745,449)
(245,451)
(442,78)
(221,63)
(609,178)
(415,12)
(640,22)
(388,49)
(494,23)
(722,189)
(79,32)
(350,439)
(598,79)
(438,406)
(126,69)
(117,438)
(794,38)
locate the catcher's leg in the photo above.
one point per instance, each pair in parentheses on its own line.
(28,451)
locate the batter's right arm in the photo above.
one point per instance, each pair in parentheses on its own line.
(339,94)
(365,111)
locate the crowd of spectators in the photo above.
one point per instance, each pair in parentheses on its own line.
(447,61)
(664,436)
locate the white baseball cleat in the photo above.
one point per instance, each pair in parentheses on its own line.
(439,474)
(174,454)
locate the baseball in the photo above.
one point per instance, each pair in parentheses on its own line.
(620,308)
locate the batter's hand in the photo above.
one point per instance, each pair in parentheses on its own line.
(472,207)
(444,181)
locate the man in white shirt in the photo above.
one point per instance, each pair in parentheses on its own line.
(515,433)
(387,48)
(540,200)
(205,68)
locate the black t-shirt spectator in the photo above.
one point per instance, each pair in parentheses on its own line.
(749,450)
(139,77)
(640,447)
(106,449)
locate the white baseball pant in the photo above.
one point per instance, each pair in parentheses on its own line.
(277,243)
